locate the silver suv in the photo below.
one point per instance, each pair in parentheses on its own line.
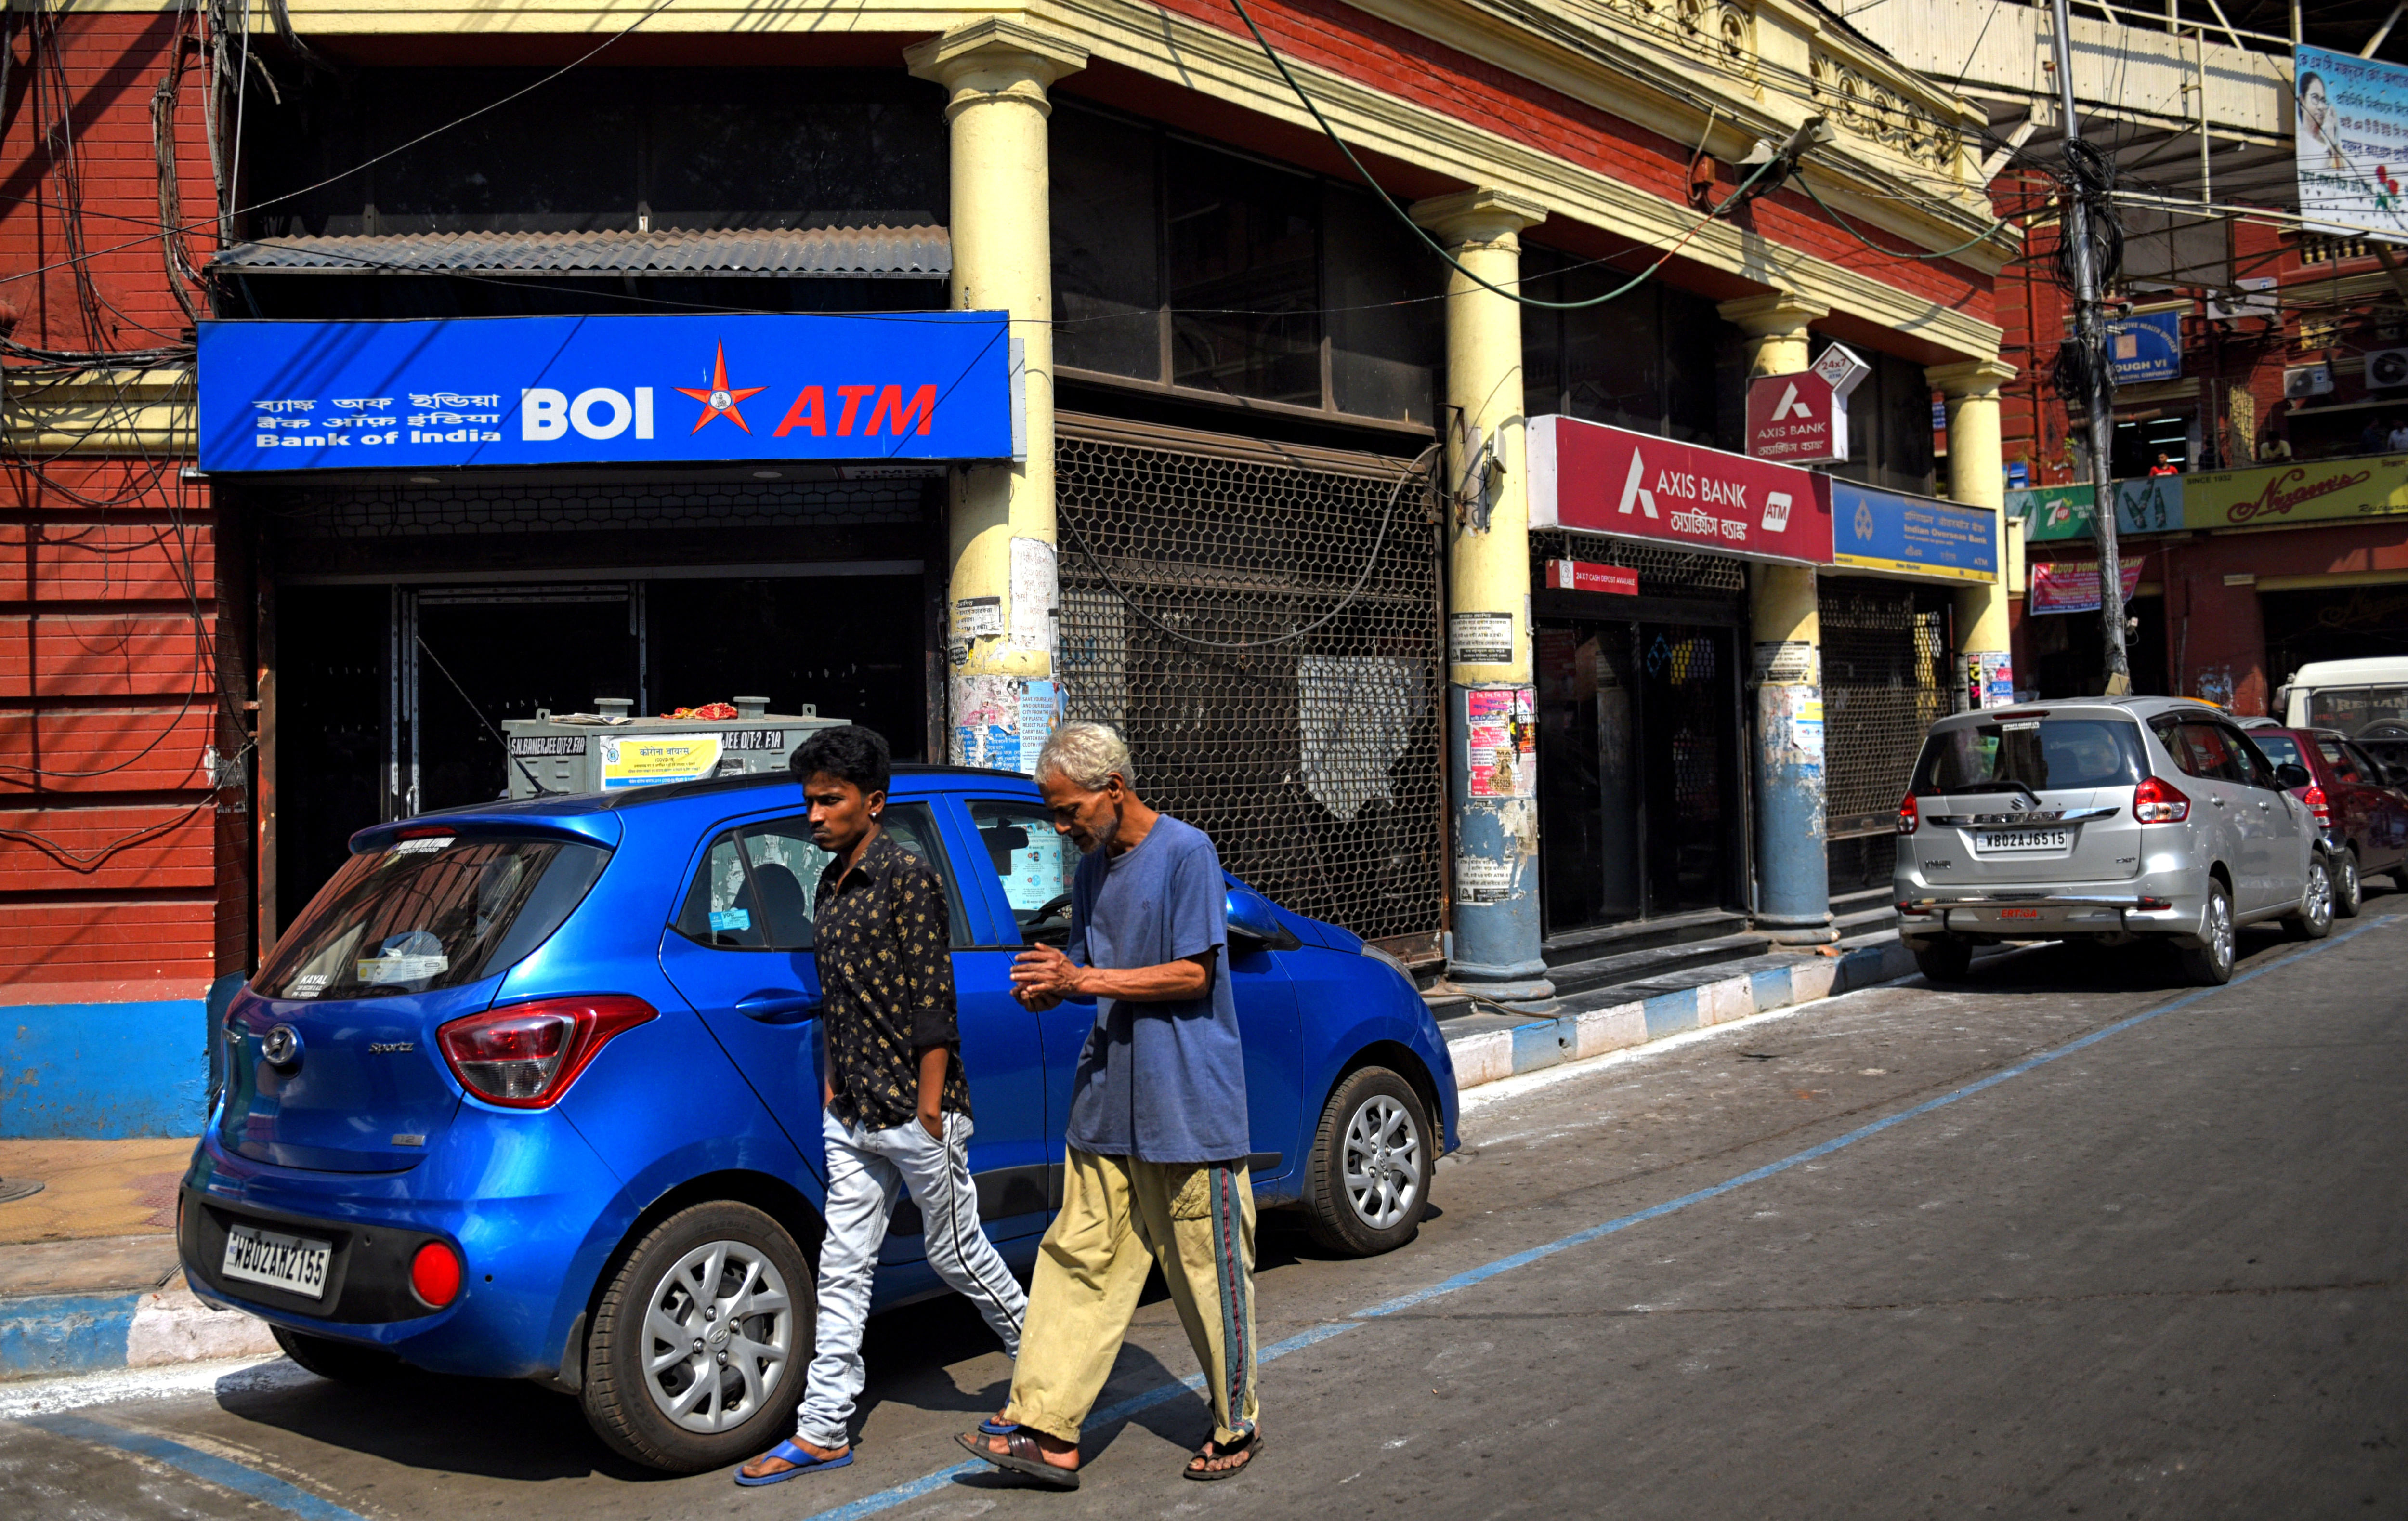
(2109,818)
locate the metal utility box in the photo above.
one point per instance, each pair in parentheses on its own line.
(611,751)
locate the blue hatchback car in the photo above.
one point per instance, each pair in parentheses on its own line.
(531,1090)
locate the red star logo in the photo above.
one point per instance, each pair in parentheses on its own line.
(719,400)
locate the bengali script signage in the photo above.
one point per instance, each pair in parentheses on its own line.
(1601,479)
(1889,531)
(2073,585)
(2352,144)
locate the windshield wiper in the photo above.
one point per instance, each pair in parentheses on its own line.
(1997,784)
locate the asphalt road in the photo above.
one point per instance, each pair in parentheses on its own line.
(1791,1268)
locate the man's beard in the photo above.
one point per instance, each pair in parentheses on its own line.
(1104,833)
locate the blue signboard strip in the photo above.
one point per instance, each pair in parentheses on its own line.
(1915,535)
(2147,345)
(574,390)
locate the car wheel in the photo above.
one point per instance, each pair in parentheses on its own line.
(1946,960)
(2314,919)
(700,1342)
(345,1362)
(1369,1179)
(2349,889)
(2210,962)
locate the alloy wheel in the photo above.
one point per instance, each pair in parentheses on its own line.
(2219,929)
(2320,895)
(718,1330)
(1383,1162)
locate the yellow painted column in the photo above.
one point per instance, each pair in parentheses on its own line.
(1977,478)
(1493,729)
(1004,594)
(1793,879)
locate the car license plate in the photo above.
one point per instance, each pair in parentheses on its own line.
(2023,840)
(294,1263)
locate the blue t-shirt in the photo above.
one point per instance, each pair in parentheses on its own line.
(1157,1082)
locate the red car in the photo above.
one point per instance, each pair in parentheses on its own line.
(2353,798)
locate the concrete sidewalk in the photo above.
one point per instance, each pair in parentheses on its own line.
(89,1276)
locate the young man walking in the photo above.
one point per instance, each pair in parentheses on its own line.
(897,1112)
(1156,1171)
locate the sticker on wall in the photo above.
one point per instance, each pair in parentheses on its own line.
(986,721)
(977,617)
(644,762)
(1479,638)
(1034,593)
(1501,741)
(1788,661)
(1479,880)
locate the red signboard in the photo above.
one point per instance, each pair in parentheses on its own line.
(1796,419)
(1598,479)
(1588,576)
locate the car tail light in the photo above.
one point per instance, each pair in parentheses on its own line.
(1909,819)
(434,1274)
(2156,801)
(524,1055)
(2318,805)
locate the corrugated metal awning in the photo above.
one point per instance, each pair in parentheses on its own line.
(777,252)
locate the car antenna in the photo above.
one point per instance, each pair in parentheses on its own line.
(540,790)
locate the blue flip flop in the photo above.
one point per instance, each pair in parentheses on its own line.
(803,1462)
(993,1427)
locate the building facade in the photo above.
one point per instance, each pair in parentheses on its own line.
(1270,508)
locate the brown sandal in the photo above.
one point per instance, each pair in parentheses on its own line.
(1245,1447)
(1023,1457)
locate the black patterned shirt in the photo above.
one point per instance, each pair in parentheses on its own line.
(884,943)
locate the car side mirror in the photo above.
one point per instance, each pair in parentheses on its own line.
(2292,774)
(1254,924)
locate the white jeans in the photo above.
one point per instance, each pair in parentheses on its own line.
(865,1169)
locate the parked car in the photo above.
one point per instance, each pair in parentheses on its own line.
(2115,819)
(531,1090)
(2355,801)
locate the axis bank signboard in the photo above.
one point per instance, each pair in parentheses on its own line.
(522,391)
(1601,480)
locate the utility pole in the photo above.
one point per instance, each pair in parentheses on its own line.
(2098,382)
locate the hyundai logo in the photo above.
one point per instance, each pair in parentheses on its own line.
(283,1047)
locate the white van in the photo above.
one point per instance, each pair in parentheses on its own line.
(2365,699)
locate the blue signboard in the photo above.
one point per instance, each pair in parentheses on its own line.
(2147,345)
(1889,531)
(578,391)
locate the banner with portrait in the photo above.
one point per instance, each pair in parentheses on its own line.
(2353,145)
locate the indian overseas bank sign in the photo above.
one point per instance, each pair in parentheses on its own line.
(1890,533)
(635,390)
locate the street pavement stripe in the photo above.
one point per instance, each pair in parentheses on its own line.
(224,1472)
(903,1494)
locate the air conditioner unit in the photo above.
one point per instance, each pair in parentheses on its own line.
(2307,381)
(2387,368)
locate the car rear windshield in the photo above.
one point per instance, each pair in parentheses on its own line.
(2009,754)
(430,912)
(2279,746)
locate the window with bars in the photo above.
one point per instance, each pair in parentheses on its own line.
(1311,755)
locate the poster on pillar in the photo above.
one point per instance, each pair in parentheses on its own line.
(1501,741)
(1601,479)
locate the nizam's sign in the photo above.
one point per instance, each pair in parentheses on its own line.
(1601,479)
(574,390)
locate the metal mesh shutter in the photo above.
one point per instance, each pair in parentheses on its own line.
(1884,680)
(1313,764)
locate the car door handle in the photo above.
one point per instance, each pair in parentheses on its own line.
(778,1005)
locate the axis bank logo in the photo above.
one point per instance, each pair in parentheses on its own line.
(1704,491)
(604,413)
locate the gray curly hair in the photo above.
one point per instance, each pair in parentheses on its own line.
(1086,754)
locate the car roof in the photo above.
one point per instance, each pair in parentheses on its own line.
(2093,707)
(932,779)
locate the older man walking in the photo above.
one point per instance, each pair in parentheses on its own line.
(1156,1171)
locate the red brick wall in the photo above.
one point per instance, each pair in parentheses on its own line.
(111,836)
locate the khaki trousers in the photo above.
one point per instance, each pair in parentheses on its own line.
(1119,1217)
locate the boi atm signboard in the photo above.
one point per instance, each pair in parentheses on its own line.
(579,391)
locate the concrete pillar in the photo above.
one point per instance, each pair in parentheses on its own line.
(1004,591)
(1492,725)
(1793,874)
(1977,478)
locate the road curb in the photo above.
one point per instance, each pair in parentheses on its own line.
(47,1335)
(1549,1041)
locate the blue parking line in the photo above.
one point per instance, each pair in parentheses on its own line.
(224,1472)
(905,1493)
